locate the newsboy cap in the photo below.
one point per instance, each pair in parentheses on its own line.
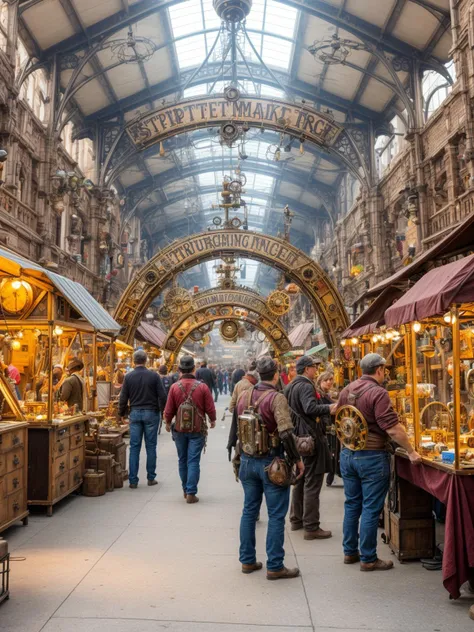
(305,361)
(371,361)
(266,365)
(186,363)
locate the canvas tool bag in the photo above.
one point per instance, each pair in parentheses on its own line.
(254,438)
(188,417)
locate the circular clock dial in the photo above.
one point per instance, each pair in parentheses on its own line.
(15,296)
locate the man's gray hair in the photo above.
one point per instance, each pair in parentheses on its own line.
(140,357)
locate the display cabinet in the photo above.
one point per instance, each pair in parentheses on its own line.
(13,459)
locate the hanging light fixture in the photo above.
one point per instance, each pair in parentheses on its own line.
(416,327)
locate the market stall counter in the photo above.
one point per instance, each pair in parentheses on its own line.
(51,340)
(457,493)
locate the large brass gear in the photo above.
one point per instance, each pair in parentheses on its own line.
(351,428)
(278,302)
(178,300)
(229,330)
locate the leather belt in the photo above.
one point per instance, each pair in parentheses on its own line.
(375,442)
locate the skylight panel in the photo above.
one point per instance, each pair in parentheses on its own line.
(190,51)
(276,52)
(211,19)
(280,20)
(256,17)
(186,18)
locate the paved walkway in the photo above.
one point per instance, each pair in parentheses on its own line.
(144,561)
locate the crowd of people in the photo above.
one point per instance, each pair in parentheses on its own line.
(279,433)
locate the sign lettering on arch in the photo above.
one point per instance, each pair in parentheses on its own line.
(174,119)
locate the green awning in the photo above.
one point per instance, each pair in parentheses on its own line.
(318,349)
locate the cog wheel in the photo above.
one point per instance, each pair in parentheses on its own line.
(278,303)
(178,300)
(229,330)
(164,314)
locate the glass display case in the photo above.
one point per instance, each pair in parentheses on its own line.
(444,388)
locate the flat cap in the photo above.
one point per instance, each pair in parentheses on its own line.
(186,363)
(253,374)
(371,361)
(75,364)
(266,365)
(305,361)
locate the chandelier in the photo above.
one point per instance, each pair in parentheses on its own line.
(334,50)
(132,49)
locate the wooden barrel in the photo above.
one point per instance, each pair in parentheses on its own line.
(94,483)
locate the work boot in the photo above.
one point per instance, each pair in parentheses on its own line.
(378,565)
(133,485)
(191,499)
(284,573)
(295,526)
(351,559)
(185,495)
(319,534)
(153,482)
(251,568)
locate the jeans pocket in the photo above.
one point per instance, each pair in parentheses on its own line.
(375,467)
(243,470)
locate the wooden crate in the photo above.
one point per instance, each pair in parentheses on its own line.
(413,502)
(410,538)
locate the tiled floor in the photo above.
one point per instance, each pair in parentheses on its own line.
(144,561)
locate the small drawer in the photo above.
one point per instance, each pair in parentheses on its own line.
(3,464)
(77,427)
(61,485)
(16,504)
(76,441)
(61,447)
(76,457)
(15,459)
(61,465)
(13,482)
(13,439)
(61,433)
(75,476)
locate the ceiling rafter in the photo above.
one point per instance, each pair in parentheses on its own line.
(172,86)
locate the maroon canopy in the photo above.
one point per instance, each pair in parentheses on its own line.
(374,316)
(434,293)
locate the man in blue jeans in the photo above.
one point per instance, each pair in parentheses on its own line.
(273,410)
(189,445)
(366,472)
(143,390)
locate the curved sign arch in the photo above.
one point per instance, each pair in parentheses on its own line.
(186,253)
(236,304)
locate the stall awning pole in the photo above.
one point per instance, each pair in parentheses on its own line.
(456,383)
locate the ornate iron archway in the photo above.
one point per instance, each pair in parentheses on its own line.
(190,251)
(237,304)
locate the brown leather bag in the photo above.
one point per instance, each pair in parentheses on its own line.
(280,472)
(305,445)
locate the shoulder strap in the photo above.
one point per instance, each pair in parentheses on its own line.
(356,396)
(259,400)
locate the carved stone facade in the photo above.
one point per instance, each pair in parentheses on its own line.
(50,210)
(427,189)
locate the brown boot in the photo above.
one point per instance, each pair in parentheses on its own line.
(251,568)
(378,565)
(185,495)
(319,534)
(284,573)
(295,526)
(351,559)
(191,499)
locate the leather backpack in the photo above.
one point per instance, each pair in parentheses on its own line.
(188,417)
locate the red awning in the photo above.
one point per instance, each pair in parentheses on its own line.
(151,333)
(434,294)
(374,316)
(459,239)
(299,334)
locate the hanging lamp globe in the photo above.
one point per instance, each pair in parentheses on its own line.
(232,10)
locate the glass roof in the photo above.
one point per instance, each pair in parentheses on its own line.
(270,25)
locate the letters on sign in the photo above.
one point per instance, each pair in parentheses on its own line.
(293,119)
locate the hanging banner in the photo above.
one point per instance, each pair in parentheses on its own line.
(296,120)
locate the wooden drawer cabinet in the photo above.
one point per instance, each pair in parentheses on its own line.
(13,471)
(55,461)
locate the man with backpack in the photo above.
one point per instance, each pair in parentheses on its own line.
(189,401)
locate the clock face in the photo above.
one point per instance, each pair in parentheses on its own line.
(15,296)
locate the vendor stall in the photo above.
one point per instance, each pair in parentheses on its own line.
(49,346)
(437,315)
